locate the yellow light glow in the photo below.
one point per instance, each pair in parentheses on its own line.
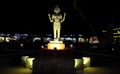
(117,33)
(104,31)
(29,62)
(116,28)
(116,36)
(86,61)
(58,46)
(23,58)
(78,63)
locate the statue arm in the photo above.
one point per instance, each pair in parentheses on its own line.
(50,18)
(63,17)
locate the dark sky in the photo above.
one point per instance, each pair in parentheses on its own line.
(83,16)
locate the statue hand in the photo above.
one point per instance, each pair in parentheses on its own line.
(49,14)
(64,13)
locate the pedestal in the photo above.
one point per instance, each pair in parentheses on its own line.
(58,45)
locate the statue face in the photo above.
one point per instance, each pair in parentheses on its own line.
(57,9)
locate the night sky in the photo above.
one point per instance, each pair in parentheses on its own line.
(83,16)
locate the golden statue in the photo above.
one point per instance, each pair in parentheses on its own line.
(57,19)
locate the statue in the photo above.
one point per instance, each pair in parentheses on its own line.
(57,19)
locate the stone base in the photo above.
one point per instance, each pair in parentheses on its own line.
(58,45)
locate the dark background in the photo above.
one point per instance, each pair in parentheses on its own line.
(83,16)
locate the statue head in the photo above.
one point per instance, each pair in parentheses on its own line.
(57,9)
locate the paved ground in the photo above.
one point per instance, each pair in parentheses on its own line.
(100,70)
(89,70)
(15,70)
(11,64)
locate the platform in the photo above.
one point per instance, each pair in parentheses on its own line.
(58,45)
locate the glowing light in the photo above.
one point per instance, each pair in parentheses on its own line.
(86,61)
(71,45)
(1,39)
(116,28)
(58,46)
(29,62)
(116,36)
(83,62)
(21,45)
(104,31)
(24,58)
(42,46)
(78,63)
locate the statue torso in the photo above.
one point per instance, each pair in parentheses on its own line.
(57,17)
